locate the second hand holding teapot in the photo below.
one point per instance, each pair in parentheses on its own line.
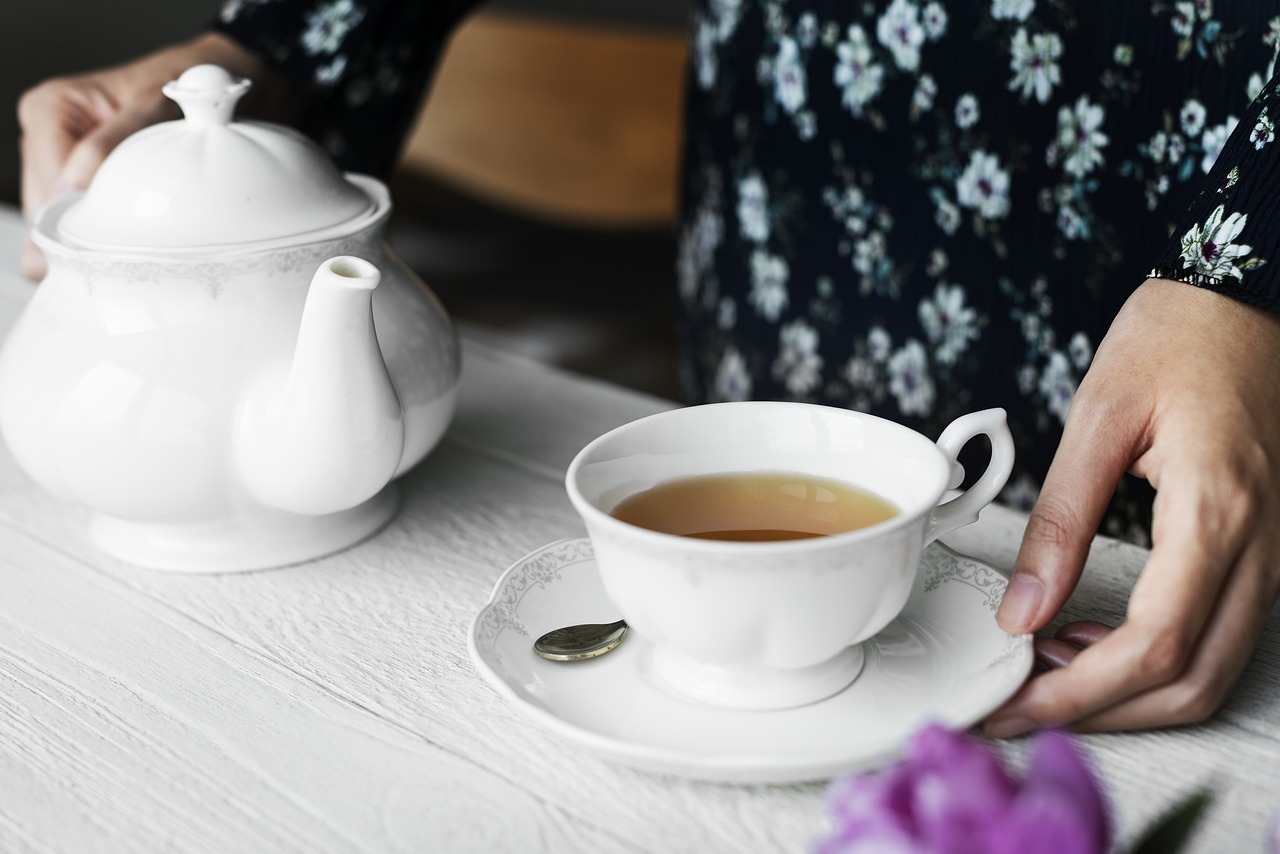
(225,362)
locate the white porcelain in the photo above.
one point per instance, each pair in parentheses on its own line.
(771,625)
(225,363)
(207,181)
(942,659)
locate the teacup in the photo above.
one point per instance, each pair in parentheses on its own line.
(769,625)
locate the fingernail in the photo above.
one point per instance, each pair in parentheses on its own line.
(1054,653)
(1010,727)
(1021,603)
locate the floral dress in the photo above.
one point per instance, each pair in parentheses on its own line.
(917,209)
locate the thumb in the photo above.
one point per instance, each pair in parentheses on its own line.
(1088,464)
(32,262)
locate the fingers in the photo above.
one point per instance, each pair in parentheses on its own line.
(1083,633)
(1051,653)
(54,117)
(69,126)
(1220,657)
(84,159)
(1061,649)
(1094,680)
(1184,582)
(1179,390)
(86,156)
(1077,489)
(52,120)
(31,262)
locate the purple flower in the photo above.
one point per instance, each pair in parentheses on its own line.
(950,795)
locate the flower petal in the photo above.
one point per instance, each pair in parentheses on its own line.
(1058,769)
(960,787)
(1043,821)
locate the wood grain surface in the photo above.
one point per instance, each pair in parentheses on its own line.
(332,707)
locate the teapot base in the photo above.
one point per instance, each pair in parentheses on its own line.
(264,540)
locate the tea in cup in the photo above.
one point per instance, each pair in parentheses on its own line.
(755,545)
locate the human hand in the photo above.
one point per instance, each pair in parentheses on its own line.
(1182,392)
(70,124)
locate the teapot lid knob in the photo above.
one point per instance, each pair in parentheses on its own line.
(207,94)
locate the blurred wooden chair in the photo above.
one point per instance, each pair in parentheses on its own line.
(537,192)
(574,122)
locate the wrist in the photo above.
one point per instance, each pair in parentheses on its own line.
(1204,312)
(218,49)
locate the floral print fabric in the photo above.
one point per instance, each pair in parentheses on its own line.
(921,209)
(910,207)
(363,65)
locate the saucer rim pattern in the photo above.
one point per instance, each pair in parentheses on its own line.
(545,565)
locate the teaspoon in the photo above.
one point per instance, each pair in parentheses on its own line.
(576,643)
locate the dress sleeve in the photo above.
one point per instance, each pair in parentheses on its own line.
(1229,239)
(363,65)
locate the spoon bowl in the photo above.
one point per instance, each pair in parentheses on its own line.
(580,642)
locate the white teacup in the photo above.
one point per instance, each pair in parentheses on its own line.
(768,625)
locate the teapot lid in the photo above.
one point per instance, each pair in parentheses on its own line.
(206,182)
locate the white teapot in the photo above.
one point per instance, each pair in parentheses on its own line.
(200,366)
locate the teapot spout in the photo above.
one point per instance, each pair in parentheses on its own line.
(327,433)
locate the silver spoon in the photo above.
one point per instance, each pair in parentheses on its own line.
(576,643)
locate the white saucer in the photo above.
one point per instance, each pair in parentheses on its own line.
(943,660)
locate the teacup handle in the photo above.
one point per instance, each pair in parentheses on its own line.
(963,509)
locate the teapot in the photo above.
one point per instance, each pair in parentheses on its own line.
(225,362)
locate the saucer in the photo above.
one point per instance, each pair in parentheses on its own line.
(942,660)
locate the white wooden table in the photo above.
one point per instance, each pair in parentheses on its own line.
(332,707)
